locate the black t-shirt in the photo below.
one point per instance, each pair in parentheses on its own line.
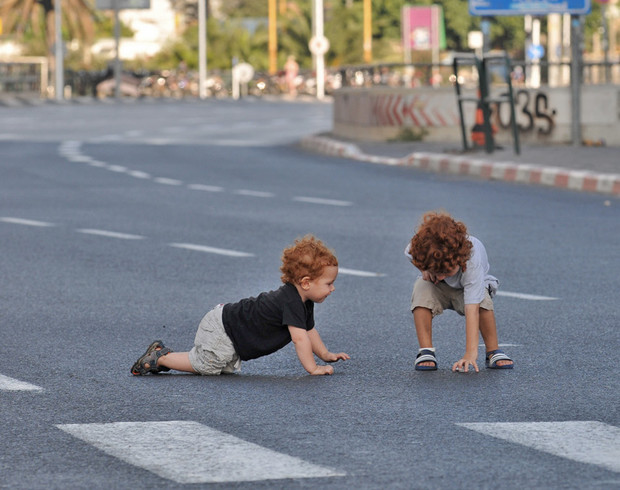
(259,326)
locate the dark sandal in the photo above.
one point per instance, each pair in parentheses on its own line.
(148,361)
(426,355)
(496,355)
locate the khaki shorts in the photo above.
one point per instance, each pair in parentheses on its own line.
(440,296)
(213,352)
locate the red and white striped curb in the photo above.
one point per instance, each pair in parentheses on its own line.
(525,173)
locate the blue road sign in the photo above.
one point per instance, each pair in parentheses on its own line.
(535,51)
(529,7)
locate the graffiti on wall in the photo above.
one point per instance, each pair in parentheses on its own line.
(532,113)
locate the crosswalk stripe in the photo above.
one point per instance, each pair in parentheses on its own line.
(10,384)
(583,441)
(190,452)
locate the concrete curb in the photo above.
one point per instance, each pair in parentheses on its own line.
(524,173)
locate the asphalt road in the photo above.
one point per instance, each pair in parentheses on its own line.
(124,224)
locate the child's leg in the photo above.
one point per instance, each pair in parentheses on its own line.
(488,330)
(179,361)
(423,320)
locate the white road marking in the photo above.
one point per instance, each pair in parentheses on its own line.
(246,192)
(318,200)
(532,297)
(354,272)
(189,452)
(117,168)
(110,234)
(589,442)
(138,174)
(166,181)
(212,250)
(503,345)
(98,164)
(77,157)
(26,222)
(206,188)
(10,384)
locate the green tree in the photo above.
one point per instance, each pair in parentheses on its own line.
(26,19)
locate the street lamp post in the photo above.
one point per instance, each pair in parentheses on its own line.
(58,52)
(202,49)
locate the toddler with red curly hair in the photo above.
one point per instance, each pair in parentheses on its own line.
(258,326)
(455,275)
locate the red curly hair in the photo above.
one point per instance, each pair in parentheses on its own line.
(308,256)
(440,244)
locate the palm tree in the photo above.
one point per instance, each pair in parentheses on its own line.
(21,17)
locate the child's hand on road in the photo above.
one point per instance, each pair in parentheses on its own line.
(464,363)
(331,357)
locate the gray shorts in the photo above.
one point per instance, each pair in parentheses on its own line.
(440,296)
(213,352)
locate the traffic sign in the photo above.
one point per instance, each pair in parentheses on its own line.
(318,45)
(244,72)
(535,51)
(488,8)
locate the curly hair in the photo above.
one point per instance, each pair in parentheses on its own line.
(308,256)
(440,244)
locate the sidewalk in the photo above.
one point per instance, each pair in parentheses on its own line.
(585,168)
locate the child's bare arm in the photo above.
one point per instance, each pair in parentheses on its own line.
(303,347)
(318,347)
(472,332)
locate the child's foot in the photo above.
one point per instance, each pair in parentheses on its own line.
(147,363)
(426,360)
(496,359)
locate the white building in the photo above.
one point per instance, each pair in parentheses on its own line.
(152,28)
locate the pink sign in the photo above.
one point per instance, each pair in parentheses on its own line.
(423,28)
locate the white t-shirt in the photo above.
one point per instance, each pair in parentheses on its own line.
(476,278)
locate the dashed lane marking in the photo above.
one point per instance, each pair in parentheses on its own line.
(205,188)
(10,384)
(235,253)
(589,442)
(354,272)
(26,222)
(247,192)
(212,250)
(138,174)
(317,200)
(166,181)
(189,452)
(110,234)
(532,297)
(71,151)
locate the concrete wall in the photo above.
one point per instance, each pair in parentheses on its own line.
(543,115)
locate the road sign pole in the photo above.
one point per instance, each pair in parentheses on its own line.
(202,49)
(575,79)
(117,44)
(58,52)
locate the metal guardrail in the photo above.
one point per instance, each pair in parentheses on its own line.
(27,76)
